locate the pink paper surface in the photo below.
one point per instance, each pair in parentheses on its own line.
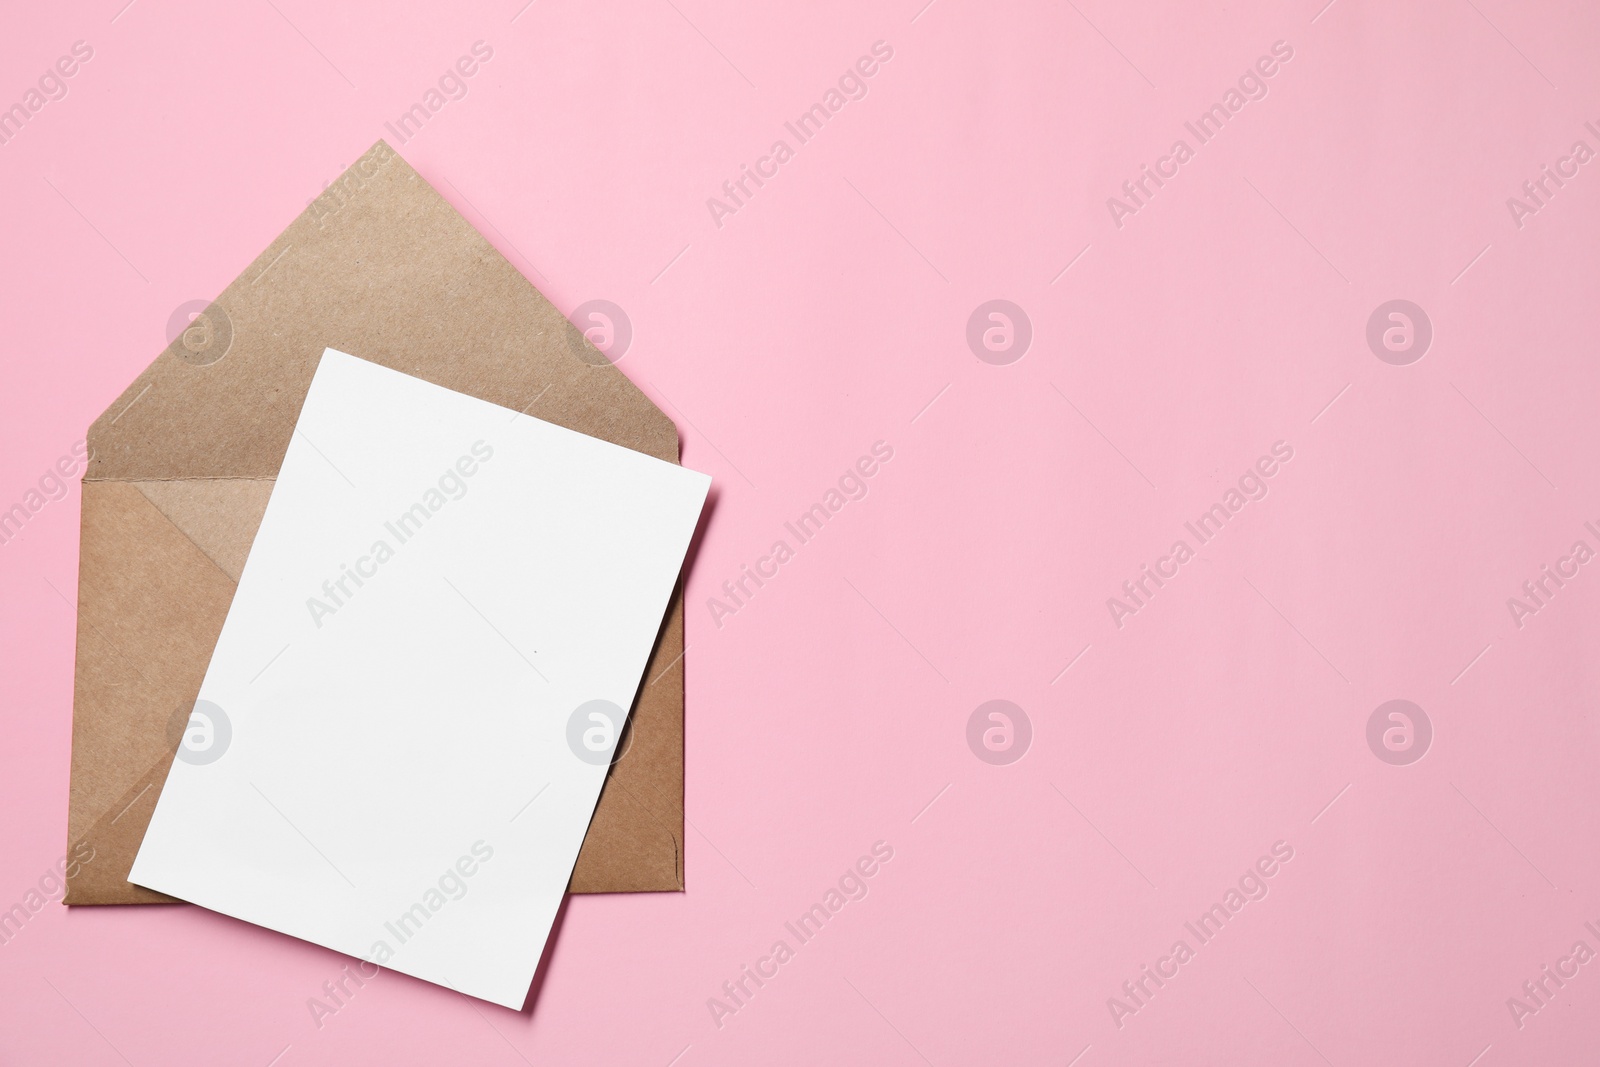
(1171,742)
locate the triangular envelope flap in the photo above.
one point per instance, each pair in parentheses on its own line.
(380,266)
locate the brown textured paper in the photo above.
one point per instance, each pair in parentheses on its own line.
(182,463)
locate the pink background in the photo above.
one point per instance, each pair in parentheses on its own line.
(1228,714)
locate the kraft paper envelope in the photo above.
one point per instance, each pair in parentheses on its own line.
(181,466)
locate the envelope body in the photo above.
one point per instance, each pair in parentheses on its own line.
(181,466)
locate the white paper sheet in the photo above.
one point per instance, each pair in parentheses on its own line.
(407,721)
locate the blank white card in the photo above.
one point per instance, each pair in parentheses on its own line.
(404,729)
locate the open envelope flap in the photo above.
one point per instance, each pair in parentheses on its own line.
(181,465)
